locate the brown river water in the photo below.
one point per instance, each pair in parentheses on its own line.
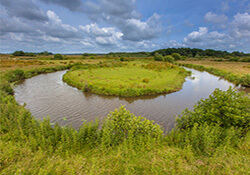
(47,95)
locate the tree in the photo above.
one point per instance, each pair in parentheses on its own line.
(58,57)
(18,53)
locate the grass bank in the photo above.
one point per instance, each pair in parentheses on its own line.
(237,73)
(127,80)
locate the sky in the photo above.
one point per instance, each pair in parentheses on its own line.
(103,26)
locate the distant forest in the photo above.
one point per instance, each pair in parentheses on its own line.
(184,52)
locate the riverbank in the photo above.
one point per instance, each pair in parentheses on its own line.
(128,80)
(237,73)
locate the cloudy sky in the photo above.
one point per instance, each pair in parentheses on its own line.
(102,26)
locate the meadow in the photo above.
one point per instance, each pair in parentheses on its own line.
(213,138)
(237,68)
(128,79)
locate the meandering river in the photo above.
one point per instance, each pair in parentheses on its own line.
(47,95)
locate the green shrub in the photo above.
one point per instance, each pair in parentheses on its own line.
(247,59)
(121,58)
(176,56)
(58,57)
(234,59)
(122,125)
(158,57)
(204,138)
(168,58)
(245,80)
(15,75)
(224,108)
(5,86)
(18,53)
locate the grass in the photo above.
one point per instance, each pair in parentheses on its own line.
(11,64)
(129,80)
(237,68)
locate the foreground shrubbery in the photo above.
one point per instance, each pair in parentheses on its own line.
(214,138)
(225,109)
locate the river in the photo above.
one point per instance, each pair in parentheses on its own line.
(47,95)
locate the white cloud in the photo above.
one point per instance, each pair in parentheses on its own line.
(124,16)
(136,30)
(53,17)
(205,39)
(95,30)
(56,29)
(214,18)
(100,36)
(240,26)
(236,36)
(196,36)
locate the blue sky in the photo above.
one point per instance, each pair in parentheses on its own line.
(102,26)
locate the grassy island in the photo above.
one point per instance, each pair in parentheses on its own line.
(127,79)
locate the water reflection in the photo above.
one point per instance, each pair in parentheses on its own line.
(48,95)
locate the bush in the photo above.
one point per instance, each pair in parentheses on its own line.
(247,59)
(18,53)
(58,57)
(224,108)
(176,56)
(15,75)
(245,80)
(168,58)
(122,125)
(5,86)
(234,59)
(158,57)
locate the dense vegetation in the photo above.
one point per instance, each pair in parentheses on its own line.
(187,52)
(30,54)
(184,52)
(127,79)
(213,138)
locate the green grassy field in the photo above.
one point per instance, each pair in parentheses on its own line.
(129,79)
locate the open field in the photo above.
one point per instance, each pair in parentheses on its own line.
(237,68)
(129,80)
(7,64)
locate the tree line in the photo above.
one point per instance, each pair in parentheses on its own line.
(184,52)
